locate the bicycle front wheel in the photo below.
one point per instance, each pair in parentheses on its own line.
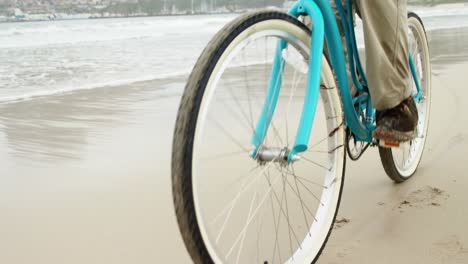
(235,208)
(401,163)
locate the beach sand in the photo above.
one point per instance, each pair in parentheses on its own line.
(85,178)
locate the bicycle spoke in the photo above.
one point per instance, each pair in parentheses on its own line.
(319,151)
(315,163)
(288,108)
(231,204)
(233,139)
(296,179)
(241,109)
(250,219)
(275,227)
(239,106)
(243,237)
(303,204)
(318,143)
(259,229)
(224,155)
(241,119)
(278,221)
(305,179)
(287,211)
(282,211)
(298,193)
(277,137)
(316,198)
(238,179)
(270,105)
(247,87)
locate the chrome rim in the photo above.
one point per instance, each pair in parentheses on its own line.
(256,211)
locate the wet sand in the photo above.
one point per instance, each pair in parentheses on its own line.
(85,178)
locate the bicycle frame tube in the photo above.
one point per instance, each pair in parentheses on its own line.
(353,55)
(273,90)
(324,27)
(417,98)
(337,60)
(315,68)
(310,103)
(360,69)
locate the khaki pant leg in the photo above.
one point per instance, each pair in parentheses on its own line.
(386,40)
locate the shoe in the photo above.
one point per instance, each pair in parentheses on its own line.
(398,124)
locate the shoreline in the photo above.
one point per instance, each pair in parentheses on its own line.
(437,35)
(125,17)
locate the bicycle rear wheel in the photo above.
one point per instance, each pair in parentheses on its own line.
(231,207)
(401,163)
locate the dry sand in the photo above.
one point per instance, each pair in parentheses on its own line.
(425,219)
(85,178)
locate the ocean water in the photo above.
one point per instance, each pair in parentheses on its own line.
(47,58)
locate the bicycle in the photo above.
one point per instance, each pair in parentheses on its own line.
(245,188)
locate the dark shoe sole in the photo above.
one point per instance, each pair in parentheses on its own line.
(384,134)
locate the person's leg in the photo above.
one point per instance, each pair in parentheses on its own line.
(385,35)
(388,74)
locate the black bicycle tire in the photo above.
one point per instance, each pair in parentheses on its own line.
(185,128)
(386,155)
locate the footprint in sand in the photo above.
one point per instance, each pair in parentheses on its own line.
(424,197)
(340,222)
(457,139)
(450,250)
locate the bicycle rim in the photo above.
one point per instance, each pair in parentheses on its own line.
(270,212)
(407,157)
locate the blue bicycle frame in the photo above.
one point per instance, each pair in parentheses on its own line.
(325,27)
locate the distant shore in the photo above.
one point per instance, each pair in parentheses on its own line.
(171,15)
(95,16)
(113,17)
(83,16)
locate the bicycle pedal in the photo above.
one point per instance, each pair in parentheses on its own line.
(389,144)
